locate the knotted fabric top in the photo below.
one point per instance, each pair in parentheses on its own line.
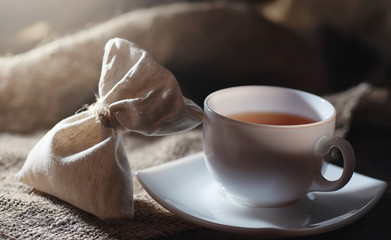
(138,94)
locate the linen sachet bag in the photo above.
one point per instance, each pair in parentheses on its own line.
(82,161)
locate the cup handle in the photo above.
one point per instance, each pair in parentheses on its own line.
(323,147)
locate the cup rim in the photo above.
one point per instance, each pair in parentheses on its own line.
(295,126)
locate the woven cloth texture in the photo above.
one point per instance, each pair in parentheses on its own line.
(28,214)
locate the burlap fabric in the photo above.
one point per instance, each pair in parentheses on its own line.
(29,214)
(81,160)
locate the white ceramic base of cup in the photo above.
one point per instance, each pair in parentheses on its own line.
(253,204)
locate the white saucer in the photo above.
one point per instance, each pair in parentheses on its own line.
(185,188)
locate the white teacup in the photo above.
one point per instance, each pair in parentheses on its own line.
(269,165)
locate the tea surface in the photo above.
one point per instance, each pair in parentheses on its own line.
(271,118)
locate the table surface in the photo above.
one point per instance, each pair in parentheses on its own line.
(372,148)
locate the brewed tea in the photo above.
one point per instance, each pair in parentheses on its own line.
(271,118)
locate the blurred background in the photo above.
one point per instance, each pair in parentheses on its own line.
(353,36)
(324,47)
(28,24)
